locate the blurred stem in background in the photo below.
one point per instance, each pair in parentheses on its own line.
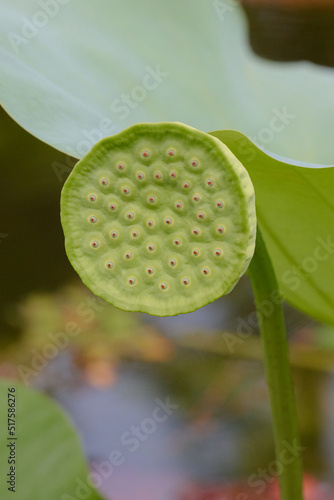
(278,372)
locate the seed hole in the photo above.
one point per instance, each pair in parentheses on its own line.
(92,197)
(171,152)
(151,247)
(168,221)
(195,252)
(173,174)
(95,244)
(130,215)
(185,281)
(179,205)
(93,219)
(109,264)
(152,199)
(172,262)
(220,230)
(140,176)
(177,242)
(201,215)
(126,190)
(219,204)
(150,270)
(114,234)
(205,271)
(218,252)
(194,163)
(158,175)
(163,286)
(150,223)
(186,185)
(210,182)
(134,234)
(196,197)
(112,206)
(128,255)
(104,182)
(196,231)
(145,153)
(132,281)
(121,166)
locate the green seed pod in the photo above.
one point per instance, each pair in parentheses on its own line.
(159,218)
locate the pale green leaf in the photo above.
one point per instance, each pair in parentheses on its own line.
(67,65)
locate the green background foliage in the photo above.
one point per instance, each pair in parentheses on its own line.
(295,210)
(47,448)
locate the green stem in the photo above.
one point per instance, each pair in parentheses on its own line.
(277,366)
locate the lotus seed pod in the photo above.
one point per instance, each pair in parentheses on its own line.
(159,218)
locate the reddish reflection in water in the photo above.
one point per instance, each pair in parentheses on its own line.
(313,490)
(143,484)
